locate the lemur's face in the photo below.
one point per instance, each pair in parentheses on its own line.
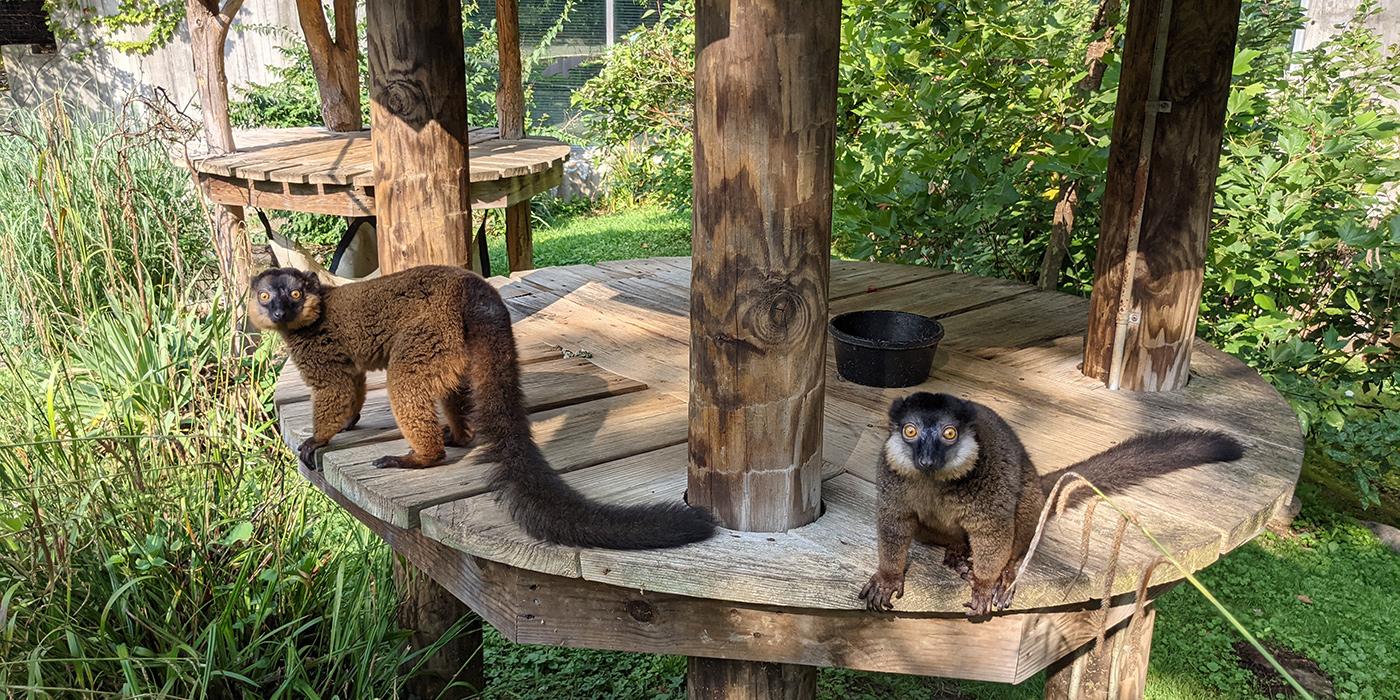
(283,299)
(932,435)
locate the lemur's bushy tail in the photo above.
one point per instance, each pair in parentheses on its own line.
(548,508)
(1149,454)
(541,502)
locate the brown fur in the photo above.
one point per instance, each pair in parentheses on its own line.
(985,517)
(444,335)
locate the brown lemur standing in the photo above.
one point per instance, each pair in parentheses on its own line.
(444,335)
(954,474)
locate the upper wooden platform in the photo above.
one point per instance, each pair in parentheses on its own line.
(615,420)
(319,171)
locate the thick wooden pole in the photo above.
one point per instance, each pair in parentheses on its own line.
(429,611)
(1115,670)
(510,117)
(1162,166)
(418,112)
(765,111)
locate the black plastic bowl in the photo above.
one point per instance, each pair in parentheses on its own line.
(885,348)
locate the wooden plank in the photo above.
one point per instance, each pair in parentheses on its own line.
(290,387)
(480,525)
(854,277)
(547,385)
(534,608)
(336,202)
(571,438)
(1027,320)
(940,296)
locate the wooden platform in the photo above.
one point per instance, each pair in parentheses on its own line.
(615,421)
(311,169)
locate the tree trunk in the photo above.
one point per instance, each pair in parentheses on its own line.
(1115,670)
(455,670)
(335,61)
(1167,131)
(723,679)
(209,26)
(765,117)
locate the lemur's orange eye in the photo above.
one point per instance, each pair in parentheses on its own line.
(264,296)
(950,433)
(911,431)
(296,293)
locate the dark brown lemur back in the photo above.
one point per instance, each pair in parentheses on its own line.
(537,498)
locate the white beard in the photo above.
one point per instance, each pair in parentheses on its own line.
(962,460)
(897,456)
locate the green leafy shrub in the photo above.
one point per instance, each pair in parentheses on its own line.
(958,123)
(640,107)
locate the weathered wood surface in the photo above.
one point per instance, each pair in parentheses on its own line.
(1167,131)
(537,608)
(762,242)
(1009,346)
(418,105)
(1115,670)
(314,155)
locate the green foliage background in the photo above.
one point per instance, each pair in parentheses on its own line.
(958,122)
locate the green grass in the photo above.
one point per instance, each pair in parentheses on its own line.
(644,232)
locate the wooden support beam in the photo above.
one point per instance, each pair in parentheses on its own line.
(510,119)
(418,110)
(1162,167)
(765,113)
(1115,670)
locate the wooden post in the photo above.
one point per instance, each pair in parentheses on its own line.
(510,118)
(1162,166)
(765,109)
(429,610)
(1117,670)
(418,111)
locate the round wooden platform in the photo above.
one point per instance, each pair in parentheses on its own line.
(318,171)
(614,418)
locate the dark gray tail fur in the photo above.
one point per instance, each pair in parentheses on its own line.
(541,502)
(549,509)
(1148,454)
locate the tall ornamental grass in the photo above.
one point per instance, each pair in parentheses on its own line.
(154,537)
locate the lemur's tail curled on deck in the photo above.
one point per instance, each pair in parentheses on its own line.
(537,498)
(1149,454)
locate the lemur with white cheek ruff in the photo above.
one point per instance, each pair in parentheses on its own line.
(954,474)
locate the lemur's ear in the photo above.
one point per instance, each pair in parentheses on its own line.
(897,408)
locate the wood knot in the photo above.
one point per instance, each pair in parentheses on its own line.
(641,611)
(780,313)
(407,100)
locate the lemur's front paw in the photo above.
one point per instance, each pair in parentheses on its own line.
(882,588)
(307,452)
(988,596)
(350,424)
(1005,589)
